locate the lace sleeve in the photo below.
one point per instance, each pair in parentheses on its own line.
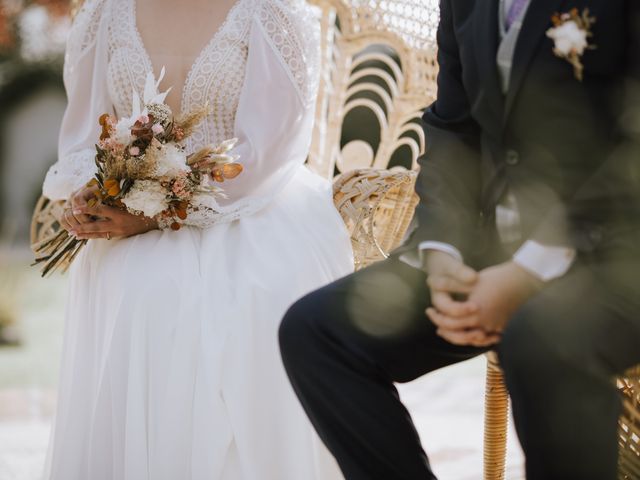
(274,119)
(85,83)
(83,33)
(294,34)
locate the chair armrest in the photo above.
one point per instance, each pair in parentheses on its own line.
(377,207)
(45,221)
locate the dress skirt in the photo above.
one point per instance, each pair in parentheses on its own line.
(171,368)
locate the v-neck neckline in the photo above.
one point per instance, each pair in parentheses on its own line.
(204,51)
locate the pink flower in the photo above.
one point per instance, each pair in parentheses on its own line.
(180,187)
(143,119)
(157,129)
(134,151)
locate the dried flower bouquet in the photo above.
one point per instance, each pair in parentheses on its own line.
(142,166)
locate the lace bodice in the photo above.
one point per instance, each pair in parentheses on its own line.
(282,36)
(216,75)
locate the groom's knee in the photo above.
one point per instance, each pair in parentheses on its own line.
(543,341)
(297,330)
(520,349)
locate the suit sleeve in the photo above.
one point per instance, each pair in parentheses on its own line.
(449,179)
(611,196)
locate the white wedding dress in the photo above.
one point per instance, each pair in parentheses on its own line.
(171,368)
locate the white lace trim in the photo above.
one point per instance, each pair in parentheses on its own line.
(217,76)
(128,61)
(294,34)
(69,174)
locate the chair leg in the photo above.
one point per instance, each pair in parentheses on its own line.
(496,411)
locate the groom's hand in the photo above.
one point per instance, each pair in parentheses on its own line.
(498,292)
(451,282)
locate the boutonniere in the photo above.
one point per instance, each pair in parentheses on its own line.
(570,33)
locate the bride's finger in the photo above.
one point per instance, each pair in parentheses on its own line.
(70,220)
(80,200)
(80,219)
(64,224)
(97,210)
(98,227)
(97,236)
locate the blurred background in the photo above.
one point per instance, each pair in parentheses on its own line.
(447,406)
(32,101)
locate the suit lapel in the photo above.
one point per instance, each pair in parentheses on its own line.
(486,33)
(534,27)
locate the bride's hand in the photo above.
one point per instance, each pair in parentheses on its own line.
(112,222)
(72,217)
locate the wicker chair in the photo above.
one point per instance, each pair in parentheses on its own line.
(375,83)
(378,73)
(629,426)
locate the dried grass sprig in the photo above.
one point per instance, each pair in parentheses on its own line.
(187,122)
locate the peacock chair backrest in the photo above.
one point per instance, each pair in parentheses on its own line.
(378,74)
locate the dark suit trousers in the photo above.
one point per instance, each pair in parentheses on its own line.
(345,345)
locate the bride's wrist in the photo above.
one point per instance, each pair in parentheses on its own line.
(162,222)
(151,223)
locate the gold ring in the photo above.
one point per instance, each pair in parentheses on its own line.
(108,235)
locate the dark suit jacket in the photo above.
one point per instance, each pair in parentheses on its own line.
(568,150)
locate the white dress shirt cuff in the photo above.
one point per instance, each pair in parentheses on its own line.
(441,247)
(544,262)
(414,258)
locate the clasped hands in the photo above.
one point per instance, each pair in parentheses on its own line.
(473,308)
(86,222)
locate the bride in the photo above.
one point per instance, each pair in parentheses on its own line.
(170,365)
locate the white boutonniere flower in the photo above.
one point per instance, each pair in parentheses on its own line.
(570,33)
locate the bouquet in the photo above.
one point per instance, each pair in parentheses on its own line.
(142,166)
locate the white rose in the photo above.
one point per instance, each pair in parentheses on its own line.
(123,131)
(147,197)
(171,160)
(568,38)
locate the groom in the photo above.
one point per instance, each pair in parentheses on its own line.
(528,241)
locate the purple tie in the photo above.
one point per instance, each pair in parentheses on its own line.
(517,7)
